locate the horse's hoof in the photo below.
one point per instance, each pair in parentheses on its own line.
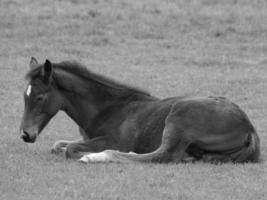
(189,160)
(84,159)
(57,150)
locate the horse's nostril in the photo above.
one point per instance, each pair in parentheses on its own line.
(26,137)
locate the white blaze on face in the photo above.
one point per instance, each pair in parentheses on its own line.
(29,90)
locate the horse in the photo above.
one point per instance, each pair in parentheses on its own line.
(119,123)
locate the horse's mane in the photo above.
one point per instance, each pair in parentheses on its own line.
(82,72)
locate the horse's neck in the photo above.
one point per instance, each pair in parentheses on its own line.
(79,109)
(83,109)
(77,98)
(84,101)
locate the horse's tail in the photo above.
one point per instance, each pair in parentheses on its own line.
(250,151)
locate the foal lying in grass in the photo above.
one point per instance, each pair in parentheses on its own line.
(119,123)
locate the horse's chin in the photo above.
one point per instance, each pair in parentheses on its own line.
(30,141)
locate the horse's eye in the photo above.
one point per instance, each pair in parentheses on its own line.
(40,98)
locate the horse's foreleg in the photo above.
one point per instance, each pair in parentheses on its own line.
(78,149)
(60,145)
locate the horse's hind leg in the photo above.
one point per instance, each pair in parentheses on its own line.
(180,154)
(173,147)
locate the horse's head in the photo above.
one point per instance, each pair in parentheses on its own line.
(42,100)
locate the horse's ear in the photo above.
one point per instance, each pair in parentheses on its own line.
(47,71)
(33,63)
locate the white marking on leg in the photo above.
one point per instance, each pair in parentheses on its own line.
(96,157)
(84,159)
(29,90)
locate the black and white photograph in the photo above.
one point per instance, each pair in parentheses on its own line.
(133,99)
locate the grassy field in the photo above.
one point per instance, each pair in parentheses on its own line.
(168,47)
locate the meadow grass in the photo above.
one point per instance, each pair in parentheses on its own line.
(170,48)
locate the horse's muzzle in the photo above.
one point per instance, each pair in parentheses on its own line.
(27,137)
